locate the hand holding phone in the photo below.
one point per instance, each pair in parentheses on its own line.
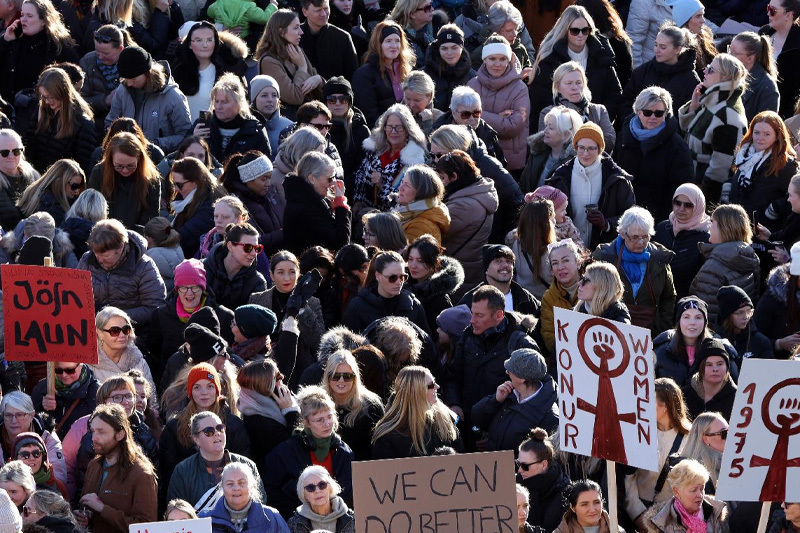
(338,188)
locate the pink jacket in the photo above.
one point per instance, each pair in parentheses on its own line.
(71,445)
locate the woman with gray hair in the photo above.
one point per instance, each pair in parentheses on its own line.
(644,269)
(301,141)
(17,480)
(418,92)
(395,144)
(48,509)
(419,204)
(506,20)
(90,207)
(316,207)
(39,224)
(466,110)
(652,150)
(322,508)
(551,147)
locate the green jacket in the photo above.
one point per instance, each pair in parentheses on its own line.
(233,13)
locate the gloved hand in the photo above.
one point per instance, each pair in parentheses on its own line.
(304,290)
(597,219)
(358,31)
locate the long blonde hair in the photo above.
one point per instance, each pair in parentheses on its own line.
(608,287)
(56,82)
(559,31)
(409,411)
(55,180)
(360,398)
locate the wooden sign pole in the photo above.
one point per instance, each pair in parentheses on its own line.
(51,366)
(611,474)
(764,518)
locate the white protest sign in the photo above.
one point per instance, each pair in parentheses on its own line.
(606,390)
(762,453)
(197,525)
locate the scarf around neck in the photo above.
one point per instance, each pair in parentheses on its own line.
(407,212)
(68,390)
(747,161)
(184,314)
(642,134)
(694,523)
(252,403)
(631,262)
(700,220)
(323,446)
(178,206)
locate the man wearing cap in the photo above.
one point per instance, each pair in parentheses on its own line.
(330,49)
(498,264)
(149,95)
(599,191)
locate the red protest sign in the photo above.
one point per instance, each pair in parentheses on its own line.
(49,314)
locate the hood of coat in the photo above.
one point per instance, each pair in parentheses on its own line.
(232,47)
(411,154)
(444,281)
(496,84)
(62,245)
(483,191)
(735,255)
(338,338)
(778,281)
(537,146)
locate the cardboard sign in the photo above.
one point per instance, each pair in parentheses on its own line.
(606,391)
(49,314)
(761,461)
(467,492)
(197,525)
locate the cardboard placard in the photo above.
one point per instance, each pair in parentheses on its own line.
(196,525)
(472,492)
(761,461)
(49,314)
(606,390)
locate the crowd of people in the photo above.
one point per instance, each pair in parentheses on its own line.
(327,231)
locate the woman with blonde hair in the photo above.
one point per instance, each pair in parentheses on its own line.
(416,18)
(48,509)
(705,443)
(128,180)
(357,407)
(600,292)
(55,191)
(16,174)
(416,422)
(227,210)
(164,247)
(116,346)
(88,208)
(197,189)
(64,124)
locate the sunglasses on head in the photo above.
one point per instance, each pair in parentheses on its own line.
(103,39)
(586,30)
(657,112)
(678,203)
(337,99)
(526,466)
(427,8)
(210,431)
(474,114)
(723,434)
(311,487)
(27,455)
(114,331)
(346,376)
(67,371)
(16,151)
(394,277)
(249,247)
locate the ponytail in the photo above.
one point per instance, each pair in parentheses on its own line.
(761,47)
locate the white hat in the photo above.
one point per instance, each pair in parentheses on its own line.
(794,266)
(10,520)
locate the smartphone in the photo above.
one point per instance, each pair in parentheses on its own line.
(703,89)
(338,188)
(205,116)
(18,31)
(754,221)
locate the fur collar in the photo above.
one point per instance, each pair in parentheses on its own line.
(445,281)
(411,154)
(777,282)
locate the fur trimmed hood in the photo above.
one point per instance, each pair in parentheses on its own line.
(411,154)
(338,338)
(445,281)
(62,245)
(537,146)
(777,282)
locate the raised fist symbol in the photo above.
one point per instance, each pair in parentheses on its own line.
(603,347)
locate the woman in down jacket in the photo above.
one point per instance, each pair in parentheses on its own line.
(644,19)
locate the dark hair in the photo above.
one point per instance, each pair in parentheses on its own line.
(194,139)
(317,3)
(234,232)
(669,393)
(186,67)
(538,442)
(793,6)
(429,249)
(381,260)
(606,18)
(311,110)
(491,295)
(459,163)
(74,72)
(230,176)
(115,35)
(349,258)
(577,488)
(316,257)
(281,256)
(124,124)
(372,363)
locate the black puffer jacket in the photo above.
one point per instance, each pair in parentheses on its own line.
(358,435)
(669,364)
(10,215)
(722,402)
(368,306)
(547,503)
(773,316)
(688,259)
(231,292)
(45,148)
(788,74)
(485,133)
(679,80)
(84,398)
(445,77)
(310,220)
(372,89)
(750,343)
(251,136)
(434,293)
(354,154)
(23,59)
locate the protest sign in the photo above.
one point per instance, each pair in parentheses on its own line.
(761,461)
(197,525)
(606,390)
(49,314)
(449,493)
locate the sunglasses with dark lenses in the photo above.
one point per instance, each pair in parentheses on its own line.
(432,385)
(27,455)
(346,376)
(103,39)
(723,434)
(249,247)
(311,487)
(76,186)
(116,330)
(337,99)
(210,431)
(474,114)
(26,512)
(394,277)
(687,205)
(427,9)
(657,112)
(772,11)
(586,30)
(584,280)
(321,127)
(526,466)
(16,151)
(67,371)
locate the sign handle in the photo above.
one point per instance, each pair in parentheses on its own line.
(51,366)
(611,474)
(764,518)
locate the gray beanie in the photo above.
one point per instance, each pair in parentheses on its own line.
(261,82)
(527,364)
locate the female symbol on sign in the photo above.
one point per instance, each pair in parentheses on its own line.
(774,487)
(607,442)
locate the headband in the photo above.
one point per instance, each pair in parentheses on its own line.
(254,169)
(450,37)
(496,49)
(388,30)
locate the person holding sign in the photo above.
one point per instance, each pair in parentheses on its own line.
(585,513)
(75,397)
(689,510)
(322,508)
(600,293)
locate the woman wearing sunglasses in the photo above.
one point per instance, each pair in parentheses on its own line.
(349,127)
(49,510)
(55,191)
(711,388)
(417,19)
(315,115)
(31,450)
(16,174)
(116,346)
(357,408)
(322,508)
(231,266)
(195,190)
(782,30)
(575,38)
(543,477)
(71,401)
(600,292)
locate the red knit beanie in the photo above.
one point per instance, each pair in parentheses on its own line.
(203,371)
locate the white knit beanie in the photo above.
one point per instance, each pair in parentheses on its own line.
(10,519)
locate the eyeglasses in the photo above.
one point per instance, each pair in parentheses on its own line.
(311,487)
(180,184)
(394,277)
(526,466)
(584,149)
(27,455)
(638,238)
(16,151)
(346,376)
(126,168)
(48,98)
(209,40)
(76,186)
(367,234)
(586,30)
(248,248)
(337,99)
(474,114)
(426,8)
(189,288)
(685,205)
(710,69)
(771,10)
(394,129)
(723,434)
(27,511)
(120,398)
(17,416)
(432,385)
(436,156)
(210,431)
(584,280)
(67,371)
(657,112)
(116,330)
(322,127)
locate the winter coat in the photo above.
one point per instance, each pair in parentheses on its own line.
(591,112)
(55,454)
(645,17)
(131,358)
(330,51)
(50,204)
(264,215)
(240,13)
(190,480)
(84,399)
(78,230)
(391,174)
(664,519)
(714,130)
(569,524)
(368,306)
(533,175)
(434,293)
(670,364)
(788,76)
(434,221)
(547,502)
(764,189)
(657,283)
(397,444)
(781,525)
(472,212)
(722,402)
(351,155)
(310,220)
(446,78)
(121,204)
(260,518)
(45,148)
(290,80)
(509,422)
(251,136)
(477,368)
(750,343)
(63,249)
(95,88)
(524,264)
(658,166)
(500,94)
(773,316)
(274,126)
(616,195)
(287,461)
(267,433)
(761,94)
(11,189)
(483,131)
(166,260)
(688,259)
(56,525)
(359,435)
(554,297)
(135,286)
(600,73)
(372,89)
(617,311)
(727,263)
(229,57)
(679,79)
(24,58)
(163,114)
(300,524)
(231,292)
